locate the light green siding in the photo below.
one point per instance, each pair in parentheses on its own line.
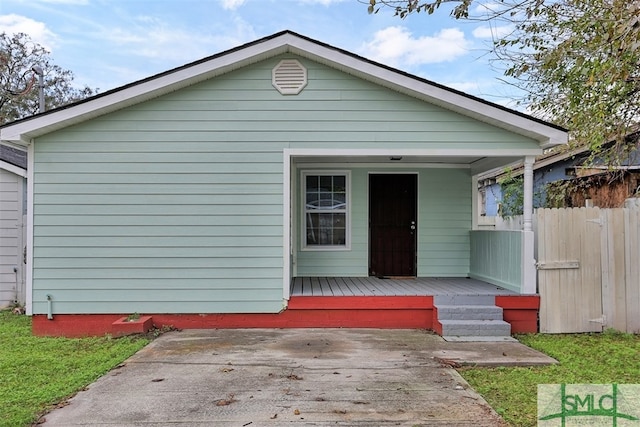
(176,204)
(444,221)
(496,257)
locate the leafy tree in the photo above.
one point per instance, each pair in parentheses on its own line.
(19,83)
(578,62)
(403,8)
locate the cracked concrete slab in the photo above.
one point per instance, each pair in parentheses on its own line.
(276,377)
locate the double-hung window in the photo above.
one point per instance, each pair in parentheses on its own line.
(326,210)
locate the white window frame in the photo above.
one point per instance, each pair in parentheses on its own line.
(303,210)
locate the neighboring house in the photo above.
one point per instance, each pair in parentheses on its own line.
(199,195)
(13,202)
(595,185)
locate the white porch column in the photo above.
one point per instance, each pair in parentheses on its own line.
(527,207)
(475,201)
(529,272)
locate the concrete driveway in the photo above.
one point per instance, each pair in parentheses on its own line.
(271,377)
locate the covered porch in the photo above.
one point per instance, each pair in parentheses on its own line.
(349,219)
(393,240)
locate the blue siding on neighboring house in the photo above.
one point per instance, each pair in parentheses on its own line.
(493,197)
(541,177)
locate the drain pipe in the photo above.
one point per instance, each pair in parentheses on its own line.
(49,308)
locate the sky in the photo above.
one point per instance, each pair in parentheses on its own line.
(110,43)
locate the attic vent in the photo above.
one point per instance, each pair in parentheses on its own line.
(289,77)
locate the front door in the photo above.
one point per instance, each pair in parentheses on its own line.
(392,224)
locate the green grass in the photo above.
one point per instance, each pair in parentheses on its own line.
(37,372)
(604,358)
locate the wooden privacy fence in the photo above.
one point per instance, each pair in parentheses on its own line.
(589,269)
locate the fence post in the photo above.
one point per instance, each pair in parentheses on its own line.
(632,269)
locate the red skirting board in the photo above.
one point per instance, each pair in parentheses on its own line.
(411,312)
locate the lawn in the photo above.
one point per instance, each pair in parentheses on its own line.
(604,358)
(37,372)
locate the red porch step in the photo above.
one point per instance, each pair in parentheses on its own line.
(398,312)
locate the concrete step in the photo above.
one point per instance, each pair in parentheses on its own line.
(469,312)
(479,339)
(475,328)
(464,300)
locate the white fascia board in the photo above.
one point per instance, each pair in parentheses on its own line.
(302,152)
(348,164)
(13,169)
(21,133)
(487,164)
(546,135)
(491,158)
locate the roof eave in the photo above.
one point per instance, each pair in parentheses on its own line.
(546,134)
(23,131)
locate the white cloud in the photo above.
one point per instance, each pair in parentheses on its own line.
(487,8)
(467,87)
(159,40)
(396,46)
(488,32)
(72,2)
(232,4)
(321,2)
(37,31)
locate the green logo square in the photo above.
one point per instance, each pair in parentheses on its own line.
(588,405)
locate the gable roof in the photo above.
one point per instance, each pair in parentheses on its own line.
(22,131)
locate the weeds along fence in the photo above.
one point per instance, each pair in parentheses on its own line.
(588,263)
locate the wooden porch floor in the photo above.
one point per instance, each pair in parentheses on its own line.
(373,286)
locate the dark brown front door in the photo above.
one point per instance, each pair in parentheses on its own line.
(392,224)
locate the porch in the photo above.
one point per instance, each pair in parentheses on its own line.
(374,286)
(371,302)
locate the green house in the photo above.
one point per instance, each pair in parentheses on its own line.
(213,194)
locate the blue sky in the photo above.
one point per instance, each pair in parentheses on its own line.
(109,43)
